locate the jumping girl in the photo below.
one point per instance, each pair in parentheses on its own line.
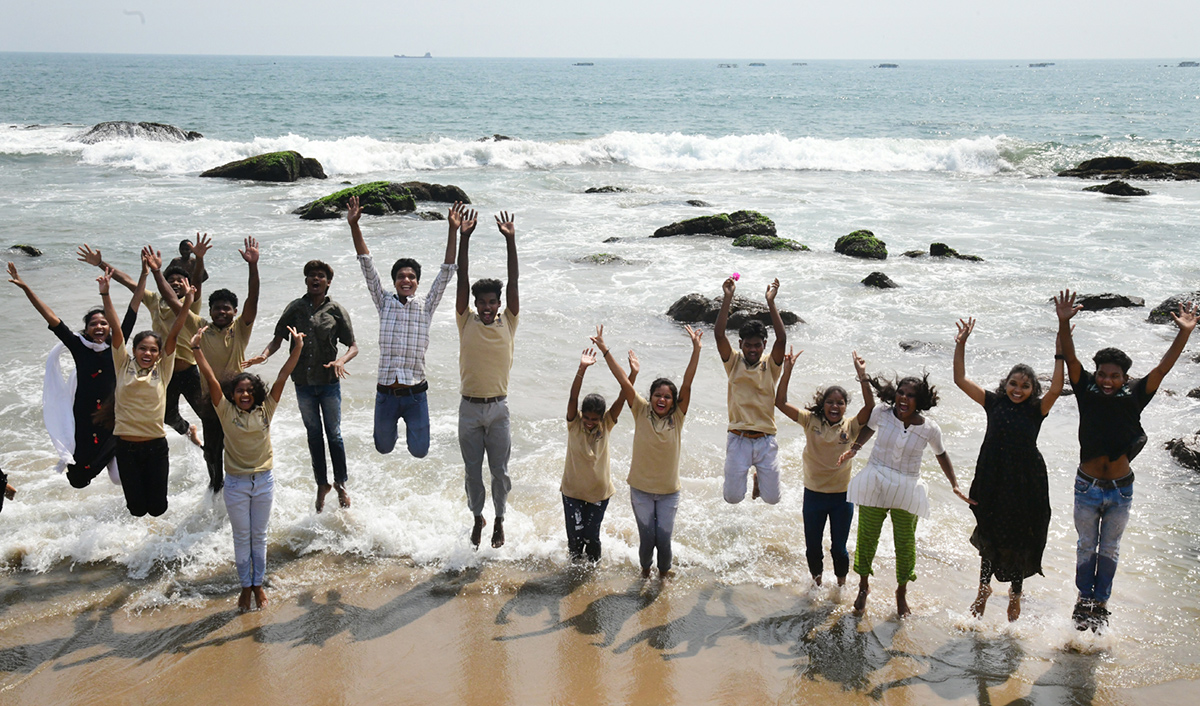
(654,467)
(1012,510)
(245,409)
(827,433)
(891,480)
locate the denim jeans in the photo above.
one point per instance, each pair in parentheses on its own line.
(248,500)
(818,507)
(321,411)
(583,527)
(655,516)
(389,410)
(1100,518)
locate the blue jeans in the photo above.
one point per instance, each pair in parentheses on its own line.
(414,410)
(323,403)
(248,500)
(1100,518)
(818,507)
(583,527)
(655,516)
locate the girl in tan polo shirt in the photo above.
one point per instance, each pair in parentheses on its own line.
(654,467)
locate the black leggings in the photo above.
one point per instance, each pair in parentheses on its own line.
(144,467)
(185,383)
(986,573)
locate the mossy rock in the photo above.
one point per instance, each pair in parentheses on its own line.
(725,225)
(1127,168)
(863,244)
(1161,314)
(27,249)
(272,166)
(377,198)
(879,280)
(767,242)
(444,193)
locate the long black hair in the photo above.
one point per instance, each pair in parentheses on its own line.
(927,396)
(257,388)
(817,406)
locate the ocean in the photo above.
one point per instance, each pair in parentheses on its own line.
(963,153)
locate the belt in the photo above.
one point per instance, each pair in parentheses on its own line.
(748,434)
(403,391)
(1105,483)
(484,400)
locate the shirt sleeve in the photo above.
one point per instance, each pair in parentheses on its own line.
(438,288)
(734,358)
(1139,393)
(935,438)
(345,331)
(512,320)
(876,415)
(372,276)
(68,337)
(989,399)
(285,319)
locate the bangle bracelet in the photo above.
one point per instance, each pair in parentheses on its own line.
(606,354)
(856,447)
(1059,356)
(195,348)
(104,294)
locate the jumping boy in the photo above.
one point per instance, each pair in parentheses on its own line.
(404,318)
(1110,436)
(318,373)
(751,438)
(485,355)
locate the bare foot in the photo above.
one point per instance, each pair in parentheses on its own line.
(985,592)
(754,490)
(244,600)
(665,575)
(902,602)
(817,579)
(841,581)
(498,533)
(322,491)
(1014,606)
(193,436)
(645,572)
(477,532)
(860,602)
(260,598)
(9,491)
(343,496)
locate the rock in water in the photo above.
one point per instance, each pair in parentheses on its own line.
(698,203)
(1161,314)
(1186,451)
(725,225)
(431,216)
(943,250)
(27,249)
(861,243)
(1099,302)
(605,190)
(915,253)
(1194,393)
(880,280)
(1126,168)
(447,193)
(767,242)
(613,239)
(1117,188)
(603,258)
(124,130)
(377,198)
(273,166)
(696,308)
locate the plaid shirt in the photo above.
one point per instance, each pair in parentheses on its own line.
(403,327)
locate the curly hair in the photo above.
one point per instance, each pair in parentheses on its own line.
(753,329)
(927,396)
(257,388)
(1027,371)
(817,406)
(1113,355)
(487,286)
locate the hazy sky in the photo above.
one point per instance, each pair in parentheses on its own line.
(747,29)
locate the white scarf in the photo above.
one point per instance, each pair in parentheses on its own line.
(58,397)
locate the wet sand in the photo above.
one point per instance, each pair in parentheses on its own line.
(376,632)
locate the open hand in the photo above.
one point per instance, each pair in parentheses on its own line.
(847,455)
(1065,306)
(250,253)
(695,334)
(201,245)
(587,358)
(353,211)
(508,228)
(338,368)
(965,498)
(1186,318)
(965,327)
(14,277)
(200,334)
(91,257)
(635,366)
(469,219)
(455,216)
(152,258)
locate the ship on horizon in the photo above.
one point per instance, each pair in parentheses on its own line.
(405,56)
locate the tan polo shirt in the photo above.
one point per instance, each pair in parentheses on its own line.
(162,319)
(485,353)
(823,445)
(141,395)
(586,476)
(247,437)
(224,349)
(752,393)
(654,467)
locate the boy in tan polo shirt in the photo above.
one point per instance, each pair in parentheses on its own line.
(751,438)
(485,353)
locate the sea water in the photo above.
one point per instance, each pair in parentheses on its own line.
(963,153)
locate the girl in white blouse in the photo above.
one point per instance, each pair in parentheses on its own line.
(891,482)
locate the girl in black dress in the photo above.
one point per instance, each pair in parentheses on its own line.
(1012,513)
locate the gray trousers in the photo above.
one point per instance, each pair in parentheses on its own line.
(484,428)
(655,516)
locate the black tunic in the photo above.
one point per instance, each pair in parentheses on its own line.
(1013,514)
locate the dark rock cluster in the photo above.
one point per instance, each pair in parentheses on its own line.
(696,308)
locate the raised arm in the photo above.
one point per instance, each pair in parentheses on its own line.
(973,390)
(110,311)
(728,287)
(462,299)
(93,258)
(868,392)
(41,306)
(943,460)
(508,229)
(586,360)
(140,290)
(685,390)
(613,366)
(1056,382)
(289,366)
(458,215)
(206,371)
(153,260)
(180,319)
(1186,321)
(267,352)
(614,410)
(781,391)
(1066,308)
(250,255)
(776,323)
(200,248)
(353,213)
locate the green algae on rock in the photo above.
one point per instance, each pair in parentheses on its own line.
(377,198)
(767,242)
(288,165)
(861,243)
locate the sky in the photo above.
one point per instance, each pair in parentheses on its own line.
(735,29)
